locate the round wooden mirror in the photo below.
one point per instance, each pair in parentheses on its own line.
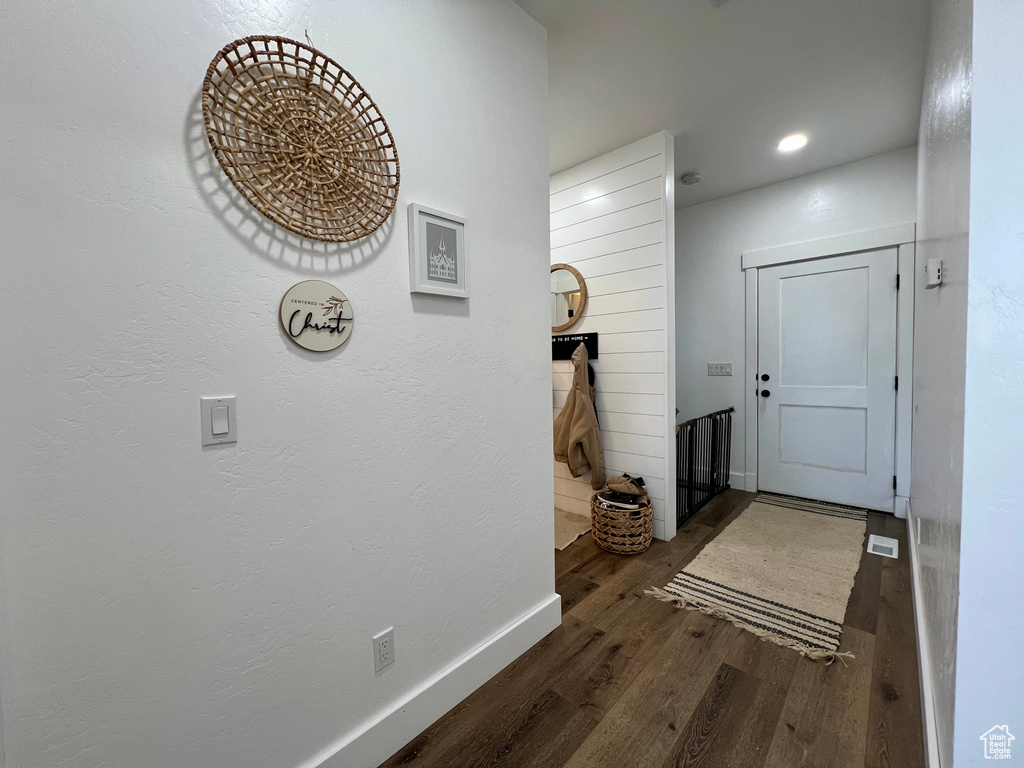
(568,296)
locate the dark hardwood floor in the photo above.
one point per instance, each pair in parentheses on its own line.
(627,680)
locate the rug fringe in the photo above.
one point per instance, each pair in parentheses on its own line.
(817,654)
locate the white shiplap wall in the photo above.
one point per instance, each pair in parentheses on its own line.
(612,218)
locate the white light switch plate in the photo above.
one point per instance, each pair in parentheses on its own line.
(719,369)
(213,428)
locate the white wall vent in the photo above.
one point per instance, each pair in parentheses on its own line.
(884,546)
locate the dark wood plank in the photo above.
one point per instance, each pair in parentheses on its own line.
(608,565)
(862,609)
(630,681)
(728,504)
(895,737)
(605,569)
(627,607)
(633,638)
(708,738)
(551,749)
(596,680)
(824,720)
(763,659)
(622,595)
(577,553)
(625,586)
(500,698)
(643,726)
(669,558)
(773,666)
(574,588)
(524,733)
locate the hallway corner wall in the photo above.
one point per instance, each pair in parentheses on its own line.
(611,218)
(168,605)
(868,194)
(940,328)
(990,622)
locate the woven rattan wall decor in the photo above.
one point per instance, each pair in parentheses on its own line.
(300,138)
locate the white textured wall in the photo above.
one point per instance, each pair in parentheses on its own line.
(940,322)
(990,628)
(168,606)
(611,219)
(710,238)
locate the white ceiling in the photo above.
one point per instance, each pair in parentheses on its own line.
(729,78)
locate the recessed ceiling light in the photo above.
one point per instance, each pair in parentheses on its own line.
(793,142)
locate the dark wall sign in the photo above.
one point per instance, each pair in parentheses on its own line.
(563,346)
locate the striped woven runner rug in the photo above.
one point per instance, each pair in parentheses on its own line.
(784,570)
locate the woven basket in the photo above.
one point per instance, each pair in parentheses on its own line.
(625,532)
(300,139)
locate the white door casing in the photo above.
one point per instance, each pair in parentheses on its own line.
(827,342)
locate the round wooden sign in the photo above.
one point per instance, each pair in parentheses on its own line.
(316,315)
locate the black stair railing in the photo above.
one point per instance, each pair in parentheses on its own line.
(703,448)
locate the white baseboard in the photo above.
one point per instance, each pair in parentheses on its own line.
(924,665)
(374,742)
(750,483)
(738,481)
(899,507)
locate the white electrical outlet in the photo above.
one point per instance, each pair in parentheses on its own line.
(719,369)
(383,649)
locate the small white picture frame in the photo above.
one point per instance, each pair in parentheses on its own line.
(437,253)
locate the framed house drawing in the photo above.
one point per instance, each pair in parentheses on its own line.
(437,253)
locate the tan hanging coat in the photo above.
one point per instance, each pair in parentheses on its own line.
(577,435)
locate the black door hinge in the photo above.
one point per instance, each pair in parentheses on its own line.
(897,281)
(897,383)
(894,482)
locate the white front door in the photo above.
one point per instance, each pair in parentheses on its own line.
(826,379)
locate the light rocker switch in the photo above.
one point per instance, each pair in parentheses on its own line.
(218,420)
(219,417)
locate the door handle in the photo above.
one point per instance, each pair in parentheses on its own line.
(765,393)
(765,377)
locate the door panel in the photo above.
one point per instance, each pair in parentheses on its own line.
(827,413)
(805,437)
(824,354)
